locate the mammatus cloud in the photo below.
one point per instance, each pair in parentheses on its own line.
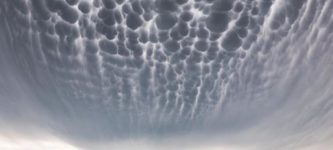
(166,74)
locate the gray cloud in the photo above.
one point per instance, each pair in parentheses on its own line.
(184,74)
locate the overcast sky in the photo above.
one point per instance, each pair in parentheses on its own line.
(166,74)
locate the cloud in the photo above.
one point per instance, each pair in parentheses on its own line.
(73,76)
(10,140)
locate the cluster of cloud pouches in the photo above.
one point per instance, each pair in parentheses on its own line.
(169,60)
(133,67)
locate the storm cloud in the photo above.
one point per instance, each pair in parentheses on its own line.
(166,74)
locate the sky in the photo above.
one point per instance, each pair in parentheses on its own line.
(164,74)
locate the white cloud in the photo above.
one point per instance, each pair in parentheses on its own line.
(14,141)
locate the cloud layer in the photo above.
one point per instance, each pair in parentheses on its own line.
(164,74)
